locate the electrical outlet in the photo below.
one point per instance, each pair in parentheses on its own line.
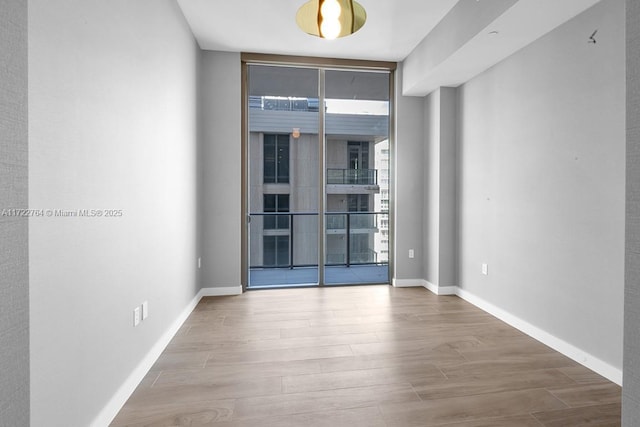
(145,310)
(136,316)
(412,254)
(485,269)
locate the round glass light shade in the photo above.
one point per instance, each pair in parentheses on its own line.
(331,19)
(330,9)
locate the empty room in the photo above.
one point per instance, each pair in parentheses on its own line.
(319,213)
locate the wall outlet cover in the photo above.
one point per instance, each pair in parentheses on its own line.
(136,316)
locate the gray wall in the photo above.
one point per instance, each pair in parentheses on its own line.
(541,183)
(631,391)
(463,22)
(440,252)
(112,123)
(408,189)
(14,271)
(431,206)
(222,159)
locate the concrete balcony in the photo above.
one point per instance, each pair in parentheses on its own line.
(352,181)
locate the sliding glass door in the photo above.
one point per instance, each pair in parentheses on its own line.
(357,177)
(283,151)
(317,184)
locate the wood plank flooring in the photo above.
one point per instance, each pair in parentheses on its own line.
(362,356)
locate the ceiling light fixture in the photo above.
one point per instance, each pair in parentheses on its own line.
(331,19)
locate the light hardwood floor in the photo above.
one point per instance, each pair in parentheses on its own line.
(362,356)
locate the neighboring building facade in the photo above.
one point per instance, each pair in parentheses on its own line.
(283,163)
(382,159)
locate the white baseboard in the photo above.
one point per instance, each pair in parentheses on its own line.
(421,283)
(111,409)
(220,292)
(603,368)
(440,290)
(109,412)
(407,283)
(448,290)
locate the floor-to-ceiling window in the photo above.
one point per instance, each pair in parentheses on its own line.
(317,191)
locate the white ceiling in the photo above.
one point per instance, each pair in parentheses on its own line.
(396,30)
(392,31)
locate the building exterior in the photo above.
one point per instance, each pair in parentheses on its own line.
(284,184)
(382,159)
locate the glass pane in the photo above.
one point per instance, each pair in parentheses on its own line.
(269,158)
(269,253)
(283,206)
(270,203)
(336,243)
(282,165)
(283,176)
(282,248)
(357,135)
(274,82)
(305,243)
(269,206)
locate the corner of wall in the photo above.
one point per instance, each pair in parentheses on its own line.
(577,354)
(222,160)
(111,409)
(631,390)
(219,291)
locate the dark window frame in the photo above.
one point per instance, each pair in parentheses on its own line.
(276,203)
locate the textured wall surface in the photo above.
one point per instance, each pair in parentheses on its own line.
(112,128)
(222,157)
(439,266)
(14,271)
(541,184)
(431,202)
(631,392)
(409,173)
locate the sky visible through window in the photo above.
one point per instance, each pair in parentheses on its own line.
(357,106)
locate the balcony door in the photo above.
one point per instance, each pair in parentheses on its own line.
(316,188)
(357,159)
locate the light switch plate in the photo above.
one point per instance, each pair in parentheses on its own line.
(145,310)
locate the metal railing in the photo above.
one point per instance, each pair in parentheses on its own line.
(357,220)
(368,257)
(350,222)
(356,258)
(352,176)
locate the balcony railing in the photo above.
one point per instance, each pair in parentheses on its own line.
(352,176)
(357,221)
(357,248)
(367,257)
